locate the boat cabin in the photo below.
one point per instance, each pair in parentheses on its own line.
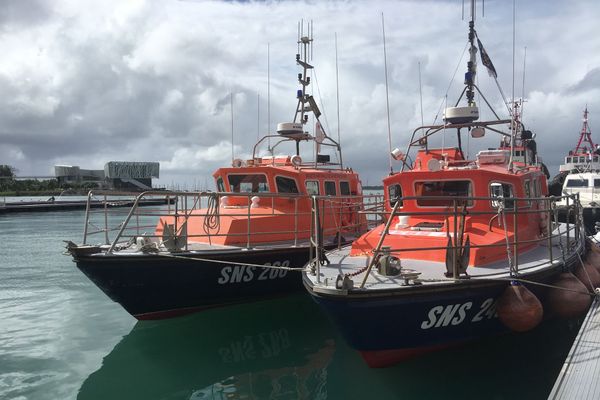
(282,175)
(443,193)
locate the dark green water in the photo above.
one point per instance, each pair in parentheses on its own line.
(61,338)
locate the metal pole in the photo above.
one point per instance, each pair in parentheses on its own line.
(87,217)
(516,235)
(549,225)
(455,244)
(105,219)
(248,219)
(381,239)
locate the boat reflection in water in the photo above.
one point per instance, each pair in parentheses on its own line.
(286,349)
(278,348)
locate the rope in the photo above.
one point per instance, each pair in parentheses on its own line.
(521,280)
(363,269)
(445,99)
(211,220)
(502,214)
(585,270)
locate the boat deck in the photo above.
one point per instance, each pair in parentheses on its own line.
(578,378)
(194,248)
(430,272)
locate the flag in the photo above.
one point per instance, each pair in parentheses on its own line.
(485,59)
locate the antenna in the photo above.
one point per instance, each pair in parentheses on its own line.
(269,98)
(387,96)
(421,96)
(311,37)
(523,88)
(231,104)
(257,116)
(337,90)
(514,122)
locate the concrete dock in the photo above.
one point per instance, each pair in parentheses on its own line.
(579,377)
(38,206)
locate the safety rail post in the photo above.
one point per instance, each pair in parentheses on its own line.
(579,218)
(248,221)
(516,235)
(568,225)
(455,241)
(295,221)
(105,219)
(548,203)
(340,205)
(124,225)
(315,237)
(378,248)
(87,217)
(137,224)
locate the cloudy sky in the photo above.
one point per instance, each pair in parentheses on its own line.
(86,82)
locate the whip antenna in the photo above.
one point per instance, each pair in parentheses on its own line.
(337,90)
(387,96)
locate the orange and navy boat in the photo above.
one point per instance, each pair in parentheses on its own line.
(467,249)
(247,240)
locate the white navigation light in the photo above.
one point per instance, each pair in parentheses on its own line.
(296,160)
(397,154)
(237,163)
(461,115)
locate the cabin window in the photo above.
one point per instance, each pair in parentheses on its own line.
(581,159)
(255,183)
(595,159)
(538,184)
(344,188)
(536,187)
(395,195)
(286,185)
(312,188)
(503,190)
(445,190)
(568,159)
(220,185)
(330,188)
(597,183)
(577,183)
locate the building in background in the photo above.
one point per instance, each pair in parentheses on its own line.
(119,175)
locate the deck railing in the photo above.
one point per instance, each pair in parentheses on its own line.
(568,236)
(181,209)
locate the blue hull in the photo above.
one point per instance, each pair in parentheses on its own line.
(155,287)
(390,327)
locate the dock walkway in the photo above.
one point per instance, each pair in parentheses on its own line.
(579,376)
(30,206)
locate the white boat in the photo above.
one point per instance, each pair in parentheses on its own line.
(580,175)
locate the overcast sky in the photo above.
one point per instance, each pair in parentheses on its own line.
(86,82)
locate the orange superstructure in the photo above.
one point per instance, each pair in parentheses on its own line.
(426,191)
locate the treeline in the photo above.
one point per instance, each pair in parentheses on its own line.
(10,186)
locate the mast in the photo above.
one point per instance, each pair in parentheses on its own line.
(472,63)
(306,102)
(585,136)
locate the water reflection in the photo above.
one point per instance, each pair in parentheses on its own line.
(277,349)
(287,349)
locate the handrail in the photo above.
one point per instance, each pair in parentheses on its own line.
(189,206)
(539,205)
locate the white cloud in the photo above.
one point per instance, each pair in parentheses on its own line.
(86,82)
